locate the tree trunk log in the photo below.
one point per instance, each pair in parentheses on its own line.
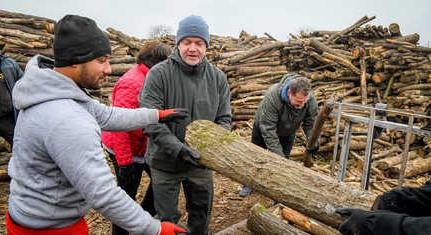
(414,167)
(307,224)
(286,181)
(258,50)
(262,222)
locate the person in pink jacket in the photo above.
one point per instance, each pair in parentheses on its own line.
(127,149)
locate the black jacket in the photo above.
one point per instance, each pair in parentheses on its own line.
(202,89)
(413,208)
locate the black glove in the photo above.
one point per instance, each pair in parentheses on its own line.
(362,222)
(172,115)
(189,155)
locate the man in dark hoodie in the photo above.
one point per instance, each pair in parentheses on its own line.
(185,80)
(400,211)
(58,168)
(9,75)
(287,105)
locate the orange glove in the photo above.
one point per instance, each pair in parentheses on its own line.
(170,229)
(172,115)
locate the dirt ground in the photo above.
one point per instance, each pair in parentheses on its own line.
(228,207)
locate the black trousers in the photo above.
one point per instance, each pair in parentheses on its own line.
(130,184)
(198,190)
(285,141)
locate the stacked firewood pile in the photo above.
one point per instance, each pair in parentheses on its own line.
(23,36)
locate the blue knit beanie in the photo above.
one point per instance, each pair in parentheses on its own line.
(193,26)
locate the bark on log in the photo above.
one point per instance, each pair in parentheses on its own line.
(363,77)
(307,224)
(394,30)
(349,29)
(385,163)
(262,222)
(286,181)
(255,51)
(414,167)
(3,175)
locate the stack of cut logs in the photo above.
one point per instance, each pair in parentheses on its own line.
(362,64)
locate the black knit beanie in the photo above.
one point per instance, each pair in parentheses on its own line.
(78,40)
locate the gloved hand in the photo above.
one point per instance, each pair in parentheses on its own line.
(172,115)
(357,223)
(167,228)
(189,155)
(362,222)
(313,150)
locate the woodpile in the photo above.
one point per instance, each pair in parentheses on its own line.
(362,64)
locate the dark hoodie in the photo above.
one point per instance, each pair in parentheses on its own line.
(202,89)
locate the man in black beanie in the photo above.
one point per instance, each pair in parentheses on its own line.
(186,79)
(58,169)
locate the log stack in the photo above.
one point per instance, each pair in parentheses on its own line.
(362,64)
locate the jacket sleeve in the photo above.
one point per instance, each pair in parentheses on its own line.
(411,201)
(224,115)
(152,96)
(268,124)
(121,144)
(83,163)
(398,224)
(121,119)
(310,117)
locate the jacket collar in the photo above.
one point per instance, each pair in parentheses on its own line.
(143,68)
(189,69)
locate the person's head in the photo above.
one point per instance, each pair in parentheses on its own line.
(152,53)
(192,39)
(81,51)
(299,91)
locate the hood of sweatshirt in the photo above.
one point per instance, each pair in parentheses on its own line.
(41,83)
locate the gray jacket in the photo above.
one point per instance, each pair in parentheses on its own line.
(58,168)
(202,89)
(275,118)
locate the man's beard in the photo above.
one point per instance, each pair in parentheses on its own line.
(87,80)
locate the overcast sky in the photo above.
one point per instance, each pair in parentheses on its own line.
(229,17)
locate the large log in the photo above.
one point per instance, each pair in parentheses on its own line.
(262,222)
(300,188)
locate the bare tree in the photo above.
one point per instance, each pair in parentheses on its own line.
(158,31)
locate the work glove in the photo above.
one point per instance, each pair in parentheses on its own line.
(189,155)
(172,115)
(167,228)
(360,222)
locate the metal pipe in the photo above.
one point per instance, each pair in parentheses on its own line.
(406,152)
(345,151)
(337,132)
(368,151)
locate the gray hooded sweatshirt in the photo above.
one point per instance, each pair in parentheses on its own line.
(58,168)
